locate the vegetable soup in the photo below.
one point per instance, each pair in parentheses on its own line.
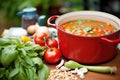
(90,28)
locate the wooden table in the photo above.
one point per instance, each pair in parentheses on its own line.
(99,76)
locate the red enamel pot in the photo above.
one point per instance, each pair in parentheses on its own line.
(87,50)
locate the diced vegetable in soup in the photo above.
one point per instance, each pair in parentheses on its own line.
(90,28)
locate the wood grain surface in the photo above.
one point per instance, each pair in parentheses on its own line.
(100,76)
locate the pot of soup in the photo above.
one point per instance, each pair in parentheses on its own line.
(88,37)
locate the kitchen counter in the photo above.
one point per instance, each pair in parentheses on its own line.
(100,76)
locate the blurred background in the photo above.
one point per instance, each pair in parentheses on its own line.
(10,8)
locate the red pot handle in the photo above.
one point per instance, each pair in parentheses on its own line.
(50,19)
(111,41)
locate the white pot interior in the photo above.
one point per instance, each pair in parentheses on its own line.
(91,15)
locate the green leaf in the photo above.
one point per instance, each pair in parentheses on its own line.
(21,75)
(2,72)
(22,51)
(79,21)
(37,61)
(32,53)
(76,28)
(43,72)
(29,46)
(31,73)
(28,60)
(4,41)
(35,3)
(41,53)
(13,72)
(70,22)
(0,54)
(17,62)
(87,28)
(16,41)
(11,41)
(9,54)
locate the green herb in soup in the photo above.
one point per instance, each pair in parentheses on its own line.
(88,28)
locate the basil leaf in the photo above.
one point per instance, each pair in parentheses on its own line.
(2,72)
(28,60)
(4,41)
(87,28)
(9,54)
(22,74)
(41,53)
(13,72)
(16,41)
(32,53)
(79,21)
(17,62)
(22,51)
(11,41)
(37,61)
(31,73)
(7,74)
(70,22)
(43,72)
(76,28)
(30,46)
(0,54)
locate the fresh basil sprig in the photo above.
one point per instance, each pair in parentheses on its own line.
(20,61)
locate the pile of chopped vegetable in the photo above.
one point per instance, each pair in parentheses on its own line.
(21,61)
(91,28)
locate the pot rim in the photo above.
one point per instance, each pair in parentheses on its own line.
(88,13)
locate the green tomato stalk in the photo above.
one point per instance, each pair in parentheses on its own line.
(102,69)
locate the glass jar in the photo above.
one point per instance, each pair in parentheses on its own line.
(29,17)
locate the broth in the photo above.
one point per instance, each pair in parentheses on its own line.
(90,28)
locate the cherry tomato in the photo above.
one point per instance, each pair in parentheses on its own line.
(52,43)
(52,55)
(39,38)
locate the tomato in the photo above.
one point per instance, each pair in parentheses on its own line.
(52,55)
(39,38)
(52,43)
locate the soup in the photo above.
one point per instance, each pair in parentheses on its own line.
(91,28)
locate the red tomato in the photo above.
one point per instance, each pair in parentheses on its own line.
(52,55)
(52,43)
(39,38)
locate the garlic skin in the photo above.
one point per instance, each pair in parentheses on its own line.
(80,72)
(63,68)
(60,64)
